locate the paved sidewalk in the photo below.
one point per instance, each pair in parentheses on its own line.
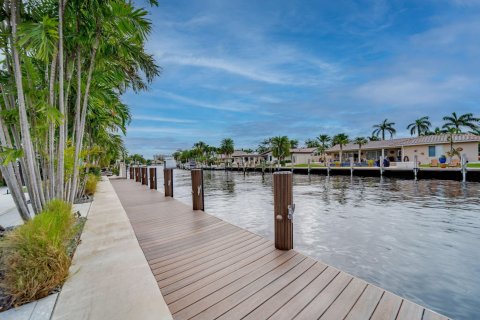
(110,277)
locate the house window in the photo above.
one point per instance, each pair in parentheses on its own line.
(431,151)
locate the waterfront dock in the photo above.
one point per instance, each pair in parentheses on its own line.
(207,268)
(472,174)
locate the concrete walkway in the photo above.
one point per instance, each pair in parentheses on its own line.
(110,277)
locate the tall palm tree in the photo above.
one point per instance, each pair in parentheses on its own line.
(227,147)
(420,126)
(341,139)
(312,143)
(324,139)
(280,147)
(457,122)
(382,128)
(294,143)
(360,141)
(324,142)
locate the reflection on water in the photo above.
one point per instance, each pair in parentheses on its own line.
(420,239)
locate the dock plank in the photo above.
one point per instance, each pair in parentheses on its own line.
(207,268)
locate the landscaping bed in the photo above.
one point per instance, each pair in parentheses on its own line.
(35,257)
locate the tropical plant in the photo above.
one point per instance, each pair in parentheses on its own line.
(420,126)
(227,147)
(341,140)
(373,138)
(458,122)
(312,143)
(451,131)
(360,141)
(323,143)
(293,143)
(64,67)
(34,257)
(476,131)
(384,127)
(280,147)
(436,131)
(264,146)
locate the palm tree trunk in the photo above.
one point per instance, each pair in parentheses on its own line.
(61,97)
(24,124)
(81,123)
(51,129)
(8,173)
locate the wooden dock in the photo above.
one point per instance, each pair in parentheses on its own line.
(207,268)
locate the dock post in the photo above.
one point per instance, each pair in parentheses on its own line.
(263,168)
(283,209)
(137,174)
(351,166)
(131,173)
(144,176)
(463,161)
(244,169)
(168,182)
(309,167)
(197,189)
(153,178)
(415,166)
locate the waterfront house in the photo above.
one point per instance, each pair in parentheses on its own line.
(304,155)
(426,148)
(241,158)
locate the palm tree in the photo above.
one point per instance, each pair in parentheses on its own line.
(476,131)
(373,138)
(457,122)
(280,147)
(265,145)
(312,143)
(360,141)
(324,142)
(294,143)
(66,67)
(420,126)
(341,139)
(227,147)
(383,127)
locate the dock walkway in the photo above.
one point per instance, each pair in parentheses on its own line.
(207,268)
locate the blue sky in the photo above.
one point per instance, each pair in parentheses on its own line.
(254,69)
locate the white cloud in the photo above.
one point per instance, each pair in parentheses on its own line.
(162,119)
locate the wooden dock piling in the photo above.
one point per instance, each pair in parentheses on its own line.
(283,209)
(168,182)
(144,176)
(197,189)
(153,178)
(131,173)
(137,174)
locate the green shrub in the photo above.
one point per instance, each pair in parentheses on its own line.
(91,181)
(34,256)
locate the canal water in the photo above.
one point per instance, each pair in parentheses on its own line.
(418,239)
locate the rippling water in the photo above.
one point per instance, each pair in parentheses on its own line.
(420,240)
